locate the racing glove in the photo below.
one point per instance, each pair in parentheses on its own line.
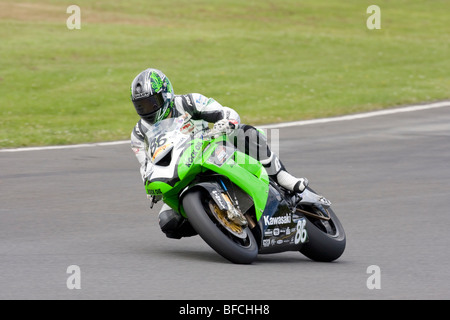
(225,126)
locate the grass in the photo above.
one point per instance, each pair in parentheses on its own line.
(272,61)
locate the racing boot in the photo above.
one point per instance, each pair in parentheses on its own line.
(173,225)
(288,181)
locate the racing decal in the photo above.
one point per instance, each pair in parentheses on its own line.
(187,128)
(283,230)
(301,234)
(195,151)
(201,100)
(220,155)
(159,150)
(276,232)
(188,125)
(156,142)
(270,221)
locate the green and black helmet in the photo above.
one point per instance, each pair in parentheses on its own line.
(152,95)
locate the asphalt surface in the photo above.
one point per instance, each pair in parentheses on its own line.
(388,178)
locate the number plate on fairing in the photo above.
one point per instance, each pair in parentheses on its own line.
(285,234)
(282,231)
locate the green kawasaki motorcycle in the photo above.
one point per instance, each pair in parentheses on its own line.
(230,201)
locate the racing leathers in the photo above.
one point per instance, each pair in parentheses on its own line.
(198,111)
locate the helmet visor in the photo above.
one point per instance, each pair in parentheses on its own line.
(147,107)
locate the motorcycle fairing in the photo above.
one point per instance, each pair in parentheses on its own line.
(278,225)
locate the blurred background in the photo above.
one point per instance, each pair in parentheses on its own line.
(272,61)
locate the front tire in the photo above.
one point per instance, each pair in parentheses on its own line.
(236,250)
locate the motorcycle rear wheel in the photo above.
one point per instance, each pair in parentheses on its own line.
(327,239)
(237,250)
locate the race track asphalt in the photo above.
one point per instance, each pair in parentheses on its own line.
(388,178)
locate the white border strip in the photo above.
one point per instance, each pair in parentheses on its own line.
(434,105)
(74,146)
(428,106)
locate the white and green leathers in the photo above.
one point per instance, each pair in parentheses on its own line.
(199,111)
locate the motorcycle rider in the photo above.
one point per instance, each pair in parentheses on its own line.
(154,100)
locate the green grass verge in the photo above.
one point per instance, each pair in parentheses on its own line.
(272,61)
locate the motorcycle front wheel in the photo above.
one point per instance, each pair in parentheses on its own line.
(237,246)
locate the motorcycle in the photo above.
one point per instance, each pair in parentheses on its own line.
(229,200)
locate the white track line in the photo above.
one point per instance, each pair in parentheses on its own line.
(74,146)
(412,108)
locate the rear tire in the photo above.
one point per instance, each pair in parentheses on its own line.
(240,251)
(326,242)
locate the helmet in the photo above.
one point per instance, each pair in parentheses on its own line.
(152,95)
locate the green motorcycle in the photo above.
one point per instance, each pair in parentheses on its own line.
(230,201)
